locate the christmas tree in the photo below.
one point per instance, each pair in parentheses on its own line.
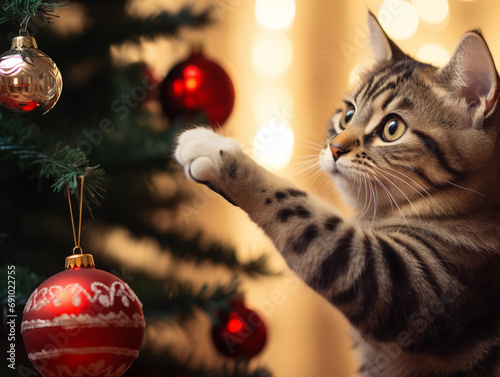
(108,127)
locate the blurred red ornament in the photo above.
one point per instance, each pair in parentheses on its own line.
(240,332)
(83,322)
(198,85)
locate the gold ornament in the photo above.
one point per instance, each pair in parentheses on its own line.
(79,260)
(30,82)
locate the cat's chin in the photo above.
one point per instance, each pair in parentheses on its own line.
(344,187)
(326,162)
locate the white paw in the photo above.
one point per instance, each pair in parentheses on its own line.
(200,152)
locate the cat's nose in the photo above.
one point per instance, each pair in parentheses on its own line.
(337,150)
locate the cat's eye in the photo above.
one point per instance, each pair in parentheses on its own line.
(394,128)
(346,116)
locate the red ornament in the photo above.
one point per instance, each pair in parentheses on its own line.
(240,332)
(82,322)
(198,85)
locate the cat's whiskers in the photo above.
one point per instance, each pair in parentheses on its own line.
(309,168)
(374,193)
(422,192)
(464,188)
(309,164)
(311,144)
(316,175)
(375,180)
(401,191)
(368,199)
(387,192)
(358,185)
(311,159)
(365,199)
(390,196)
(368,190)
(310,156)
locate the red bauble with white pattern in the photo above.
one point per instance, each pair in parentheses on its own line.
(83,322)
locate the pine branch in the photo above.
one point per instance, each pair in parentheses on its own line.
(171,23)
(23,11)
(64,165)
(68,165)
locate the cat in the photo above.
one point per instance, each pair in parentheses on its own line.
(419,278)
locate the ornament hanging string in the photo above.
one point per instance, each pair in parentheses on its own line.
(23,31)
(77,242)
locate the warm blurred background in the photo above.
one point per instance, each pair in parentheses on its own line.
(290,63)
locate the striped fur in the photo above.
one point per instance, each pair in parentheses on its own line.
(417,273)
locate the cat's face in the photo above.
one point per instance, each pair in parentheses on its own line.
(409,130)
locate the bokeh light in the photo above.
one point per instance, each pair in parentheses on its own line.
(270,101)
(275,15)
(433,54)
(273,143)
(432,11)
(398,18)
(272,56)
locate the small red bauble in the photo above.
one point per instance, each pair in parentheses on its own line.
(83,322)
(198,85)
(240,332)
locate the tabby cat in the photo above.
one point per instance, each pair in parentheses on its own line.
(418,148)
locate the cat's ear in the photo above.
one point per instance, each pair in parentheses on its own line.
(472,73)
(384,49)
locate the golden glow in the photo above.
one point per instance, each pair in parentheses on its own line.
(398,18)
(275,15)
(272,56)
(273,143)
(432,11)
(272,101)
(433,54)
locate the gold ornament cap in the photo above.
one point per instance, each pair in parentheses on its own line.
(23,41)
(79,260)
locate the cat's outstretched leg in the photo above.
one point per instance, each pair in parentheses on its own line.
(219,163)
